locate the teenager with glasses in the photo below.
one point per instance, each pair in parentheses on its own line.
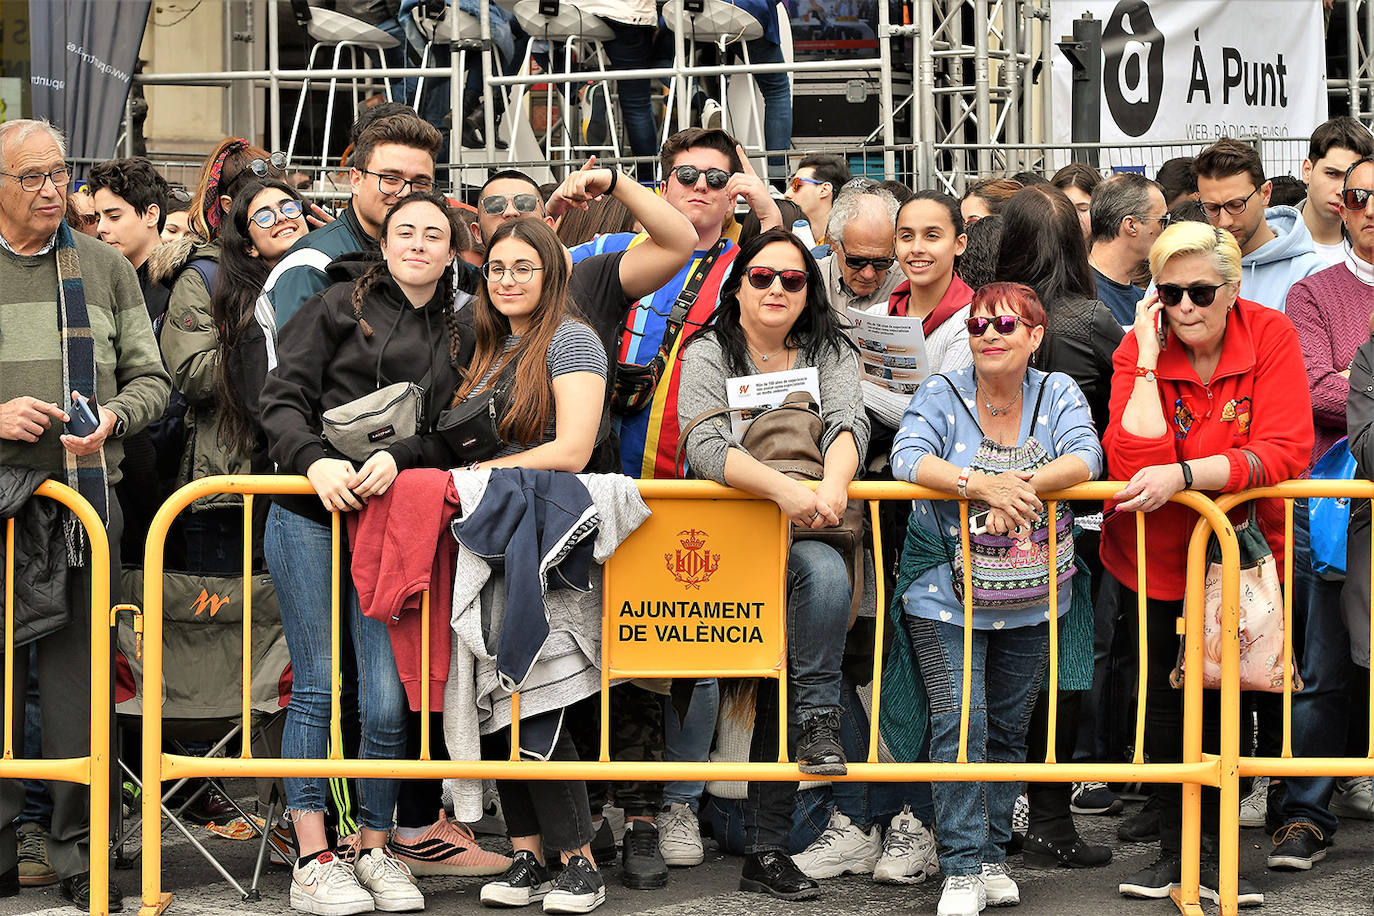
(1042,247)
(1276,248)
(1330,311)
(997,433)
(392,157)
(1208,393)
(773,317)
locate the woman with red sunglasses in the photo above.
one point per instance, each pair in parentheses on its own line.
(774,316)
(997,434)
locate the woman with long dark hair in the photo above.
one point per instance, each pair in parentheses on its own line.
(774,316)
(1042,247)
(393,323)
(266,219)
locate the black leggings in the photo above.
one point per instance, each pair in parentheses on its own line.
(553,809)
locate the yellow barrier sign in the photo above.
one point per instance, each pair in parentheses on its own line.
(704,598)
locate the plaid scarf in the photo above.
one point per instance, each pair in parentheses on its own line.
(86,473)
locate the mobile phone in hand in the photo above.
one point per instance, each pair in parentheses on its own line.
(82,418)
(1161,329)
(978,522)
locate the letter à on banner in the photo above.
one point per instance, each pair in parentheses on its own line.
(699,588)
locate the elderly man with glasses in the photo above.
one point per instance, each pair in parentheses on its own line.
(859,272)
(72,320)
(1275,245)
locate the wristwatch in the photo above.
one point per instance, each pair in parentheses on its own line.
(119,426)
(1187,475)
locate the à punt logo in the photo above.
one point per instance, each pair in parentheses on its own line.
(692,563)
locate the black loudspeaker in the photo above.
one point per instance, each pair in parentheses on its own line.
(838,107)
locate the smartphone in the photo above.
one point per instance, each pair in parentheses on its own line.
(82,418)
(978,522)
(1161,329)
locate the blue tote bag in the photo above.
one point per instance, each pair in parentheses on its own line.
(1329,516)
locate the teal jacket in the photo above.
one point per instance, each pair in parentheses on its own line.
(905,712)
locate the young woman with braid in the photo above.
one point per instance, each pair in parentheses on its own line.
(396,317)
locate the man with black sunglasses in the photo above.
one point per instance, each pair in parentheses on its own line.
(1276,248)
(859,272)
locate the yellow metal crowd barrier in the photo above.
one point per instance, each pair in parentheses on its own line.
(677,555)
(92,770)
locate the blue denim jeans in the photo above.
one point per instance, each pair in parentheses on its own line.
(633,49)
(1320,709)
(974,818)
(810,816)
(817,618)
(298,556)
(776,90)
(690,739)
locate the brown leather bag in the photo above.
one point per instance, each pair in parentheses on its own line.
(787,438)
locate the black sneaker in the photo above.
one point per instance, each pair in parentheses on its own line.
(1247,894)
(774,873)
(1143,826)
(77,889)
(1297,846)
(525,882)
(579,888)
(604,850)
(642,866)
(1094,798)
(819,752)
(1154,881)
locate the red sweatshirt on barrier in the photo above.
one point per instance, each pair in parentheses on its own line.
(1257,400)
(401,546)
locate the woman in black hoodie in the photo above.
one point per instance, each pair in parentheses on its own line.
(394,323)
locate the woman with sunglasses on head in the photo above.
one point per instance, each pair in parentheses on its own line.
(1042,246)
(1209,393)
(997,433)
(384,323)
(774,316)
(263,223)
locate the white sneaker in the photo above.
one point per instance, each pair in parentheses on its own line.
(841,849)
(909,853)
(679,836)
(711,115)
(963,895)
(1354,798)
(328,887)
(388,880)
(1255,806)
(998,887)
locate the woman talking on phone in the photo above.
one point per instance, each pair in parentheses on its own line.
(1209,392)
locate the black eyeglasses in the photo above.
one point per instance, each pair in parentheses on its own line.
(520,273)
(34,181)
(1356,198)
(267,217)
(1235,206)
(1002,324)
(1200,295)
(687,175)
(879,264)
(793,281)
(264,167)
(495,204)
(393,185)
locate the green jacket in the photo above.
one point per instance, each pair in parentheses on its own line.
(189,347)
(905,711)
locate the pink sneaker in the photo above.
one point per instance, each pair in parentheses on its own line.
(448,848)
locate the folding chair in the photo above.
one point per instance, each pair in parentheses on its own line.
(202,701)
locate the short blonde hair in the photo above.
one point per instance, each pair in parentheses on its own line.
(1192,237)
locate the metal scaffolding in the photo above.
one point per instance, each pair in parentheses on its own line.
(980,94)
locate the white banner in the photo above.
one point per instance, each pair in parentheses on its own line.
(1198,69)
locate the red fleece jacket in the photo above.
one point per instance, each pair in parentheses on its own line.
(1257,401)
(401,546)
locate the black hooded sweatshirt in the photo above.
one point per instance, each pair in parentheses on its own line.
(324,360)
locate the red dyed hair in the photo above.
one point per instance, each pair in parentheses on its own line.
(1019,296)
